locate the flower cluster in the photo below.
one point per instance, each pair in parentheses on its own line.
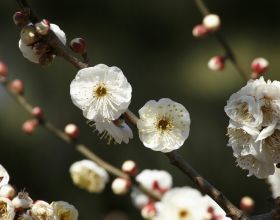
(103,94)
(254,131)
(177,203)
(22,207)
(33,47)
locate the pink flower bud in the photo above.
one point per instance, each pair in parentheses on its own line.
(121,186)
(78,45)
(130,167)
(28,35)
(20,18)
(200,31)
(72,131)
(259,65)
(29,126)
(216,63)
(3,70)
(7,191)
(38,112)
(149,211)
(43,27)
(17,86)
(212,22)
(247,204)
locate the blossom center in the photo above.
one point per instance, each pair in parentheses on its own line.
(164,124)
(100,91)
(183,214)
(3,209)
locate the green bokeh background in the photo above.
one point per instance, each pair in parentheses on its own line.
(151,42)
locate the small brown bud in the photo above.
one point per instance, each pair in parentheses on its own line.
(78,45)
(17,86)
(28,35)
(40,48)
(72,131)
(43,27)
(46,59)
(20,18)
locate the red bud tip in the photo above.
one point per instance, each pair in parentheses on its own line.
(17,86)
(78,45)
(20,18)
(38,112)
(130,167)
(200,31)
(29,126)
(72,131)
(259,66)
(3,70)
(216,63)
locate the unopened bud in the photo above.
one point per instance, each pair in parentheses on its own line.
(20,18)
(212,22)
(247,204)
(22,201)
(40,48)
(130,167)
(43,27)
(200,31)
(28,35)
(78,45)
(72,131)
(46,59)
(28,127)
(3,71)
(216,63)
(259,65)
(148,211)
(38,112)
(17,86)
(121,186)
(7,191)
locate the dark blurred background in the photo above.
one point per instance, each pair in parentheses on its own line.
(151,42)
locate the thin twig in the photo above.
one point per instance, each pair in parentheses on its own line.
(84,150)
(203,9)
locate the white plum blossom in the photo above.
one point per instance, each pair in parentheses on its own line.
(182,204)
(4,176)
(64,211)
(89,176)
(186,203)
(156,181)
(42,210)
(274,181)
(7,210)
(29,53)
(114,131)
(101,92)
(7,191)
(254,128)
(164,125)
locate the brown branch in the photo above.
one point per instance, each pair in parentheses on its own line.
(174,158)
(84,150)
(222,41)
